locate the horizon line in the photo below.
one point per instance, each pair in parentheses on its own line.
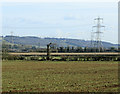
(57,38)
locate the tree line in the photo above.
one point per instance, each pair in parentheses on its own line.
(68,49)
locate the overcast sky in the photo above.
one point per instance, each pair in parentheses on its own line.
(59,0)
(63,19)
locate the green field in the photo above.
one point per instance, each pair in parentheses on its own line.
(58,76)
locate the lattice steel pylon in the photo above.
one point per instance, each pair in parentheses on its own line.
(12,39)
(97,43)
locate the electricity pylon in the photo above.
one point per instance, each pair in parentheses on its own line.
(12,39)
(97,34)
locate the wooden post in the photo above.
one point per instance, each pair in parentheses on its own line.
(48,52)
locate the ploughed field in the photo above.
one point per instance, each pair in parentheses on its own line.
(59,76)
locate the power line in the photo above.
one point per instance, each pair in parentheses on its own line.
(40,27)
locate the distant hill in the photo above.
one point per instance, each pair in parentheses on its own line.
(42,42)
